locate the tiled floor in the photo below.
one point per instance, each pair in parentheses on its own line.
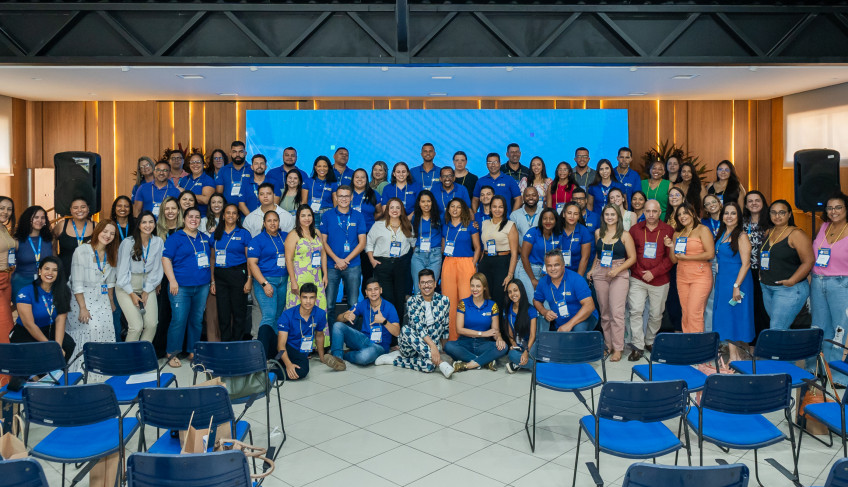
(385,426)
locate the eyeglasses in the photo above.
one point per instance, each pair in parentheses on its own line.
(144,166)
(581,157)
(176,158)
(835,208)
(161,170)
(340,196)
(723,169)
(195,161)
(219,158)
(778,213)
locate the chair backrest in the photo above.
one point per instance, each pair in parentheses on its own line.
(70,405)
(217,469)
(789,345)
(747,394)
(685,348)
(172,408)
(838,476)
(27,359)
(649,475)
(575,347)
(642,401)
(230,359)
(124,358)
(26,472)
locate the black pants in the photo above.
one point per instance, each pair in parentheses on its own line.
(673,315)
(163,301)
(367,269)
(495,268)
(232,302)
(761,317)
(21,335)
(393,273)
(268,337)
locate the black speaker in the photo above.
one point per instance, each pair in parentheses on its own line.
(816,178)
(77,175)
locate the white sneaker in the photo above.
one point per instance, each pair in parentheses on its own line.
(446,368)
(387,359)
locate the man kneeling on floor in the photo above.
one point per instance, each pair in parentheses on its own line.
(419,341)
(379,323)
(297,327)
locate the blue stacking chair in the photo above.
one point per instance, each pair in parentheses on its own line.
(730,414)
(838,365)
(121,361)
(237,359)
(172,409)
(778,350)
(218,469)
(26,472)
(563,363)
(628,423)
(838,476)
(86,421)
(32,359)
(649,475)
(830,414)
(673,357)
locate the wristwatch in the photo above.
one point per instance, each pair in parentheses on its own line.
(479,333)
(264,283)
(735,286)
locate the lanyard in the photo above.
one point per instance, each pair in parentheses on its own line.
(404,195)
(346,226)
(424,176)
(837,237)
(361,200)
(309,324)
(241,174)
(191,241)
(442,196)
(146,252)
(713,227)
(555,290)
(194,181)
(51,308)
(37,252)
(79,238)
(122,231)
(153,190)
(100,266)
(430,228)
(458,228)
(272,241)
(656,191)
(231,235)
(323,188)
(530,218)
(646,234)
(768,240)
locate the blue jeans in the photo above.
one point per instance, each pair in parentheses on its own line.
(352,277)
(708,311)
(784,303)
(116,320)
(480,350)
(515,357)
(186,311)
(362,350)
(426,260)
(19,281)
(828,300)
(274,306)
(588,325)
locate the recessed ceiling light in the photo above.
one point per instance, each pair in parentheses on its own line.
(637,93)
(227,94)
(190,76)
(753,68)
(254,68)
(438,94)
(685,76)
(36,79)
(442,77)
(384,68)
(92,94)
(632,68)
(125,68)
(509,68)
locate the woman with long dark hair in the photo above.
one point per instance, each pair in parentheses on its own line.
(605,180)
(266,260)
(43,308)
(559,191)
(198,181)
(138,276)
(403,187)
(122,215)
(727,186)
(322,188)
(690,182)
(519,326)
(755,223)
(500,249)
(217,159)
(480,343)
(293,194)
(733,306)
(306,260)
(461,248)
(231,282)
(389,246)
(366,200)
(34,242)
(427,228)
(538,177)
(8,248)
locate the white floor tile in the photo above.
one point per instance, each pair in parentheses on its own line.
(449,445)
(357,446)
(307,465)
(403,465)
(328,401)
(482,399)
(319,429)
(369,388)
(404,428)
(455,475)
(352,477)
(405,400)
(489,426)
(500,462)
(444,412)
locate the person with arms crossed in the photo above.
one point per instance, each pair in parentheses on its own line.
(513,167)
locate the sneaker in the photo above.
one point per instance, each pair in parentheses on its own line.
(334,362)
(493,366)
(446,369)
(387,359)
(511,368)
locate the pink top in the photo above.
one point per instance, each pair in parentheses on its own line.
(838,264)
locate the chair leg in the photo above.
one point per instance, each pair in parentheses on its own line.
(701,449)
(63,475)
(531,404)
(757,469)
(688,444)
(577,455)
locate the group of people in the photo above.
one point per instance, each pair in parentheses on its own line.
(456,271)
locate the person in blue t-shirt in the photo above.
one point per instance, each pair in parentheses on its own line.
(297,329)
(484,211)
(231,282)
(427,225)
(519,326)
(198,182)
(344,174)
(266,261)
(591,220)
(43,308)
(628,177)
(567,294)
(150,196)
(480,343)
(502,184)
(448,190)
(186,262)
(232,176)
(343,236)
(402,187)
(599,190)
(577,240)
(379,323)
(427,174)
(249,197)
(322,187)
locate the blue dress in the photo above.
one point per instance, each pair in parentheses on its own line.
(732,322)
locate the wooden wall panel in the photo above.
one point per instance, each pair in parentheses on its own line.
(18,178)
(220,125)
(182,125)
(195,126)
(65,121)
(762,168)
(167,137)
(526,104)
(106,129)
(132,117)
(34,134)
(741,146)
(709,135)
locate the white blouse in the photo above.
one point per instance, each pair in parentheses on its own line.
(127,266)
(380,238)
(86,274)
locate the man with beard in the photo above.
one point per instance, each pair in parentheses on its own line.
(231,177)
(427,174)
(448,190)
(583,174)
(278,174)
(526,218)
(249,199)
(344,174)
(513,166)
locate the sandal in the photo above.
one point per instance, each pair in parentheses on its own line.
(615,356)
(175,363)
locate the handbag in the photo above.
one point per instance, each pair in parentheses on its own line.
(11,447)
(249,451)
(813,395)
(246,385)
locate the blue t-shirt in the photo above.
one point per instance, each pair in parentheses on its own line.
(232,180)
(540,245)
(278,174)
(360,204)
(43,311)
(573,242)
(321,192)
(461,237)
(26,263)
(592,220)
(297,327)
(601,192)
(511,317)
(250,191)
(571,290)
(444,198)
(196,185)
(363,309)
(713,225)
(424,179)
(427,232)
(152,196)
(340,229)
(408,195)
(268,251)
(504,186)
(631,182)
(344,179)
(477,318)
(187,256)
(231,246)
(481,216)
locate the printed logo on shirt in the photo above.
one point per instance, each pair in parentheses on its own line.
(501,185)
(22,295)
(486,313)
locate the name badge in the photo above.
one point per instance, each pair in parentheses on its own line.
(104,289)
(822,259)
(650,251)
(156,210)
(490,247)
(394,249)
(306,344)
(221,257)
(425,246)
(764,260)
(236,189)
(377,334)
(563,310)
(606,258)
(202,259)
(449,248)
(346,246)
(566,256)
(559,207)
(12,260)
(680,245)
(281,260)
(315,205)
(316,258)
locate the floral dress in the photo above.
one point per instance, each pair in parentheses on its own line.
(90,279)
(304,272)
